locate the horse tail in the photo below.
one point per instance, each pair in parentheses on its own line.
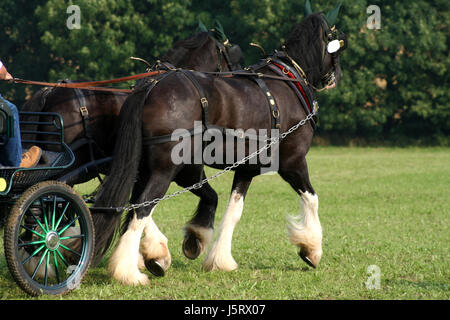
(117,187)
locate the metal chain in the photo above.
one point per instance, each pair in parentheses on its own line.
(198,185)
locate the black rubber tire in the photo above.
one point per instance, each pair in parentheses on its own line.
(15,240)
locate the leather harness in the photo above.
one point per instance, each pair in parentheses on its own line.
(284,73)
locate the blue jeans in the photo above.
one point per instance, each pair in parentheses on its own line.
(11,153)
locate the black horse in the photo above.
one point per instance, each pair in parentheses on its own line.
(276,95)
(90,117)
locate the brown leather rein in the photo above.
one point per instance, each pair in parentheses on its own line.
(92,85)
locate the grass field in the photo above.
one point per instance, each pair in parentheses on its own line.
(378,206)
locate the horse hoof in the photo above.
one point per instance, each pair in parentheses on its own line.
(191,247)
(307,260)
(155,268)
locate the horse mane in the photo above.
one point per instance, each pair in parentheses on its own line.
(304,44)
(182,47)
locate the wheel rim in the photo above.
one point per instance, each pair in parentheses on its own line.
(52,242)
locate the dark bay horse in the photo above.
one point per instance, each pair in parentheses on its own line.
(91,116)
(262,98)
(90,132)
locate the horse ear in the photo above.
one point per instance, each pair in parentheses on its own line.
(308,9)
(201,27)
(331,16)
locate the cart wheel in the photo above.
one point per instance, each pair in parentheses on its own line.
(49,239)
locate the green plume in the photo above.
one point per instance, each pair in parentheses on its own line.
(219,32)
(201,27)
(331,16)
(308,9)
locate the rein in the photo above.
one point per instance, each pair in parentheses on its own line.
(92,85)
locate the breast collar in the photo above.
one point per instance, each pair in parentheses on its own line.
(301,89)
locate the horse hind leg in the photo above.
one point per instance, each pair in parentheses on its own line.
(155,250)
(198,232)
(123,263)
(130,254)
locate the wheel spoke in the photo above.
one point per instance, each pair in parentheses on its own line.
(37,220)
(79,236)
(70,250)
(33,231)
(25,244)
(62,258)
(47,263)
(33,254)
(56,267)
(39,264)
(44,213)
(54,213)
(62,215)
(68,225)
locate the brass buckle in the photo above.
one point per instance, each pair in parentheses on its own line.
(276,114)
(84,111)
(204,102)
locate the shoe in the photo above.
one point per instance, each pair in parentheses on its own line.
(31,157)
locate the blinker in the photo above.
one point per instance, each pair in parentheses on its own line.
(334,46)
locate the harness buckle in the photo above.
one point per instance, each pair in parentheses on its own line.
(204,102)
(84,111)
(276,114)
(315,106)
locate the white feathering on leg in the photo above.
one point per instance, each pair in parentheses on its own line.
(305,230)
(123,264)
(219,257)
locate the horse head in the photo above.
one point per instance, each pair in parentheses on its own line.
(315,45)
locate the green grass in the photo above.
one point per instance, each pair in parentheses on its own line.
(378,206)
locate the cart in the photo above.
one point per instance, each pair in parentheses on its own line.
(48,233)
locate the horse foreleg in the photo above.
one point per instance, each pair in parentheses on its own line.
(219,257)
(305,230)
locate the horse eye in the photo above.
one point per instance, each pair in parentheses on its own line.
(333,46)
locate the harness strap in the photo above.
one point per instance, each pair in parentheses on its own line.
(274,111)
(203,100)
(87,129)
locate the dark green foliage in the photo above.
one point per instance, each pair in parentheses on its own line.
(395,85)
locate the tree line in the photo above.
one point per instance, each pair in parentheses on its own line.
(395,87)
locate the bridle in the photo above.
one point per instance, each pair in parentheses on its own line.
(222,52)
(329,35)
(334,37)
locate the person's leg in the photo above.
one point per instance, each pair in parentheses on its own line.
(11,153)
